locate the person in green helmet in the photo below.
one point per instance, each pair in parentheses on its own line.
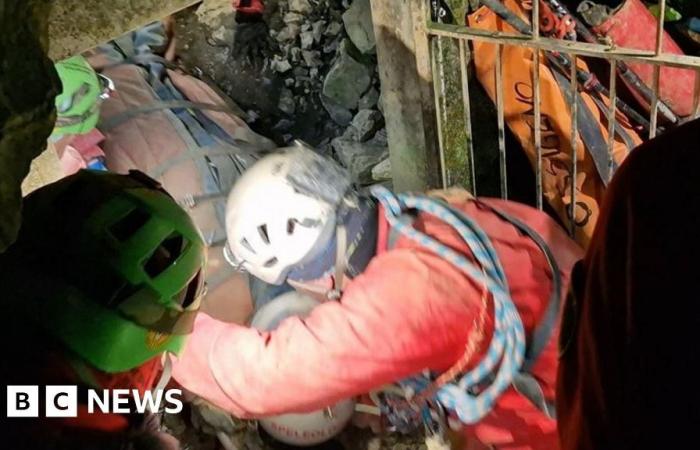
(78,105)
(179,130)
(105,278)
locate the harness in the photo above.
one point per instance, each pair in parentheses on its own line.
(509,359)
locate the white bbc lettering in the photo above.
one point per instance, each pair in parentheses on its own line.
(120,397)
(172,396)
(22,401)
(147,402)
(102,402)
(61,401)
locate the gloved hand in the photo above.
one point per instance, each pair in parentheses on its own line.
(251,38)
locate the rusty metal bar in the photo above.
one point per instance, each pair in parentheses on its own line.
(441,76)
(660,27)
(464,58)
(535,19)
(562,46)
(654,103)
(611,117)
(538,125)
(501,122)
(438,87)
(574,147)
(78,26)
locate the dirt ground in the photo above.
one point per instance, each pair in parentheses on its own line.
(204,45)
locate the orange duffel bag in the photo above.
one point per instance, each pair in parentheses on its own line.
(592,155)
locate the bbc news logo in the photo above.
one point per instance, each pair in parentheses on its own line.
(62,401)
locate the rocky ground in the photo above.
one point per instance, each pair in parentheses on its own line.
(317,81)
(198,426)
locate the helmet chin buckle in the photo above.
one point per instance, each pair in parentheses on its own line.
(232,260)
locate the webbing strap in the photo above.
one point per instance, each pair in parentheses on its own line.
(131,113)
(619,130)
(220,149)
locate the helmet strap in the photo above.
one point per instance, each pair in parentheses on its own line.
(165,375)
(353,245)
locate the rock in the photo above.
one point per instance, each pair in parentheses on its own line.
(289,82)
(286,102)
(288,33)
(341,116)
(367,122)
(283,125)
(212,419)
(369,100)
(295,54)
(380,104)
(300,6)
(358,26)
(331,47)
(317,28)
(280,65)
(347,80)
(350,134)
(313,73)
(307,39)
(359,158)
(380,138)
(382,171)
(333,29)
(293,18)
(300,72)
(212,12)
(312,58)
(252,116)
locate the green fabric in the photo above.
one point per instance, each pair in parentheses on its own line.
(671,14)
(28,85)
(78,105)
(105,263)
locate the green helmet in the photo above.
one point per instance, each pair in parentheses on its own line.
(78,106)
(109,265)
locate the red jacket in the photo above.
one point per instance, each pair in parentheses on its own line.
(408,311)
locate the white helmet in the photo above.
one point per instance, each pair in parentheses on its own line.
(282,211)
(300,429)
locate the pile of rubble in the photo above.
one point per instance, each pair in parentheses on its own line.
(201,427)
(326,54)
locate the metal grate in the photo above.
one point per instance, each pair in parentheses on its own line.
(462,36)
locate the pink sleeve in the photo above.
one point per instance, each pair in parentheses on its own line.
(390,324)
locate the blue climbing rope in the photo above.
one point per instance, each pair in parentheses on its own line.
(468,398)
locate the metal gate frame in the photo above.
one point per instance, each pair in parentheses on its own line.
(390,20)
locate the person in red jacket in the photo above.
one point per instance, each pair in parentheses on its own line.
(251,39)
(446,284)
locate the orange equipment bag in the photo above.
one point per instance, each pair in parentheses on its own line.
(592,155)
